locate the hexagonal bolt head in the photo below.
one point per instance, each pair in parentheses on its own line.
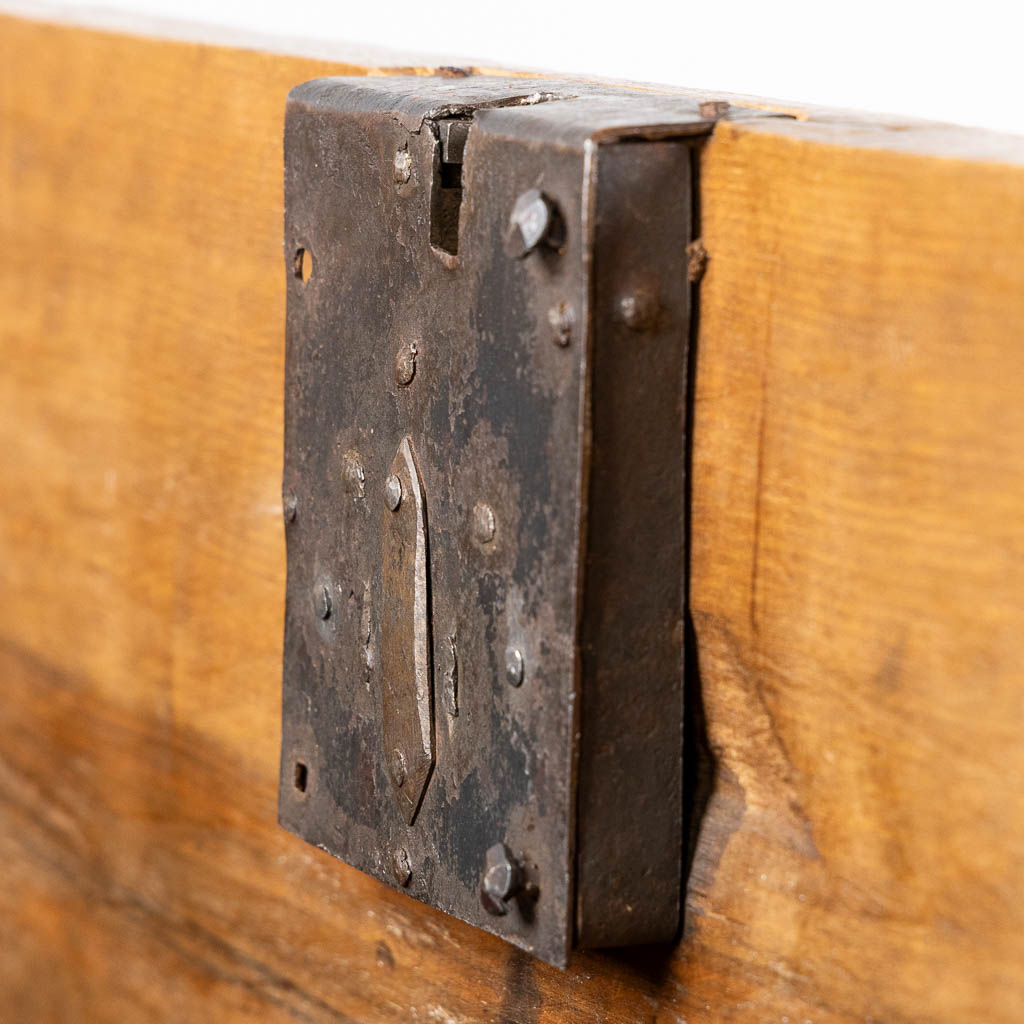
(534,220)
(502,879)
(393,492)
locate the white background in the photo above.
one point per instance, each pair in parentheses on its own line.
(961,62)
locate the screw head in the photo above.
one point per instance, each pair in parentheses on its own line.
(562,318)
(402,167)
(322,600)
(290,506)
(405,364)
(483,523)
(534,220)
(514,666)
(501,880)
(393,492)
(397,768)
(400,867)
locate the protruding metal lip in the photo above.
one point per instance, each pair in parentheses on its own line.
(407,686)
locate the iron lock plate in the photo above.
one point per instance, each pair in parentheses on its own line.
(484,494)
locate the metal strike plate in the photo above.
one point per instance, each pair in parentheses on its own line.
(488,319)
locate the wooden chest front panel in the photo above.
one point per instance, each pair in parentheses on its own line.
(855,585)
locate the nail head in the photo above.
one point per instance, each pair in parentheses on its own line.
(400,867)
(562,319)
(514,666)
(402,167)
(483,522)
(405,364)
(393,492)
(322,598)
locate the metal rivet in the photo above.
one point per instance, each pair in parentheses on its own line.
(393,492)
(534,220)
(638,310)
(400,867)
(514,666)
(290,506)
(397,768)
(353,475)
(322,599)
(712,110)
(405,364)
(561,318)
(403,167)
(502,879)
(483,523)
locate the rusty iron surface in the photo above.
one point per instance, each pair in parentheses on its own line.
(629,858)
(513,631)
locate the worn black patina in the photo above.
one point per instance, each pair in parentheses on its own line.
(531,353)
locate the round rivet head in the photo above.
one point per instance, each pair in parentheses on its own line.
(483,523)
(400,867)
(393,492)
(638,310)
(397,768)
(322,600)
(514,666)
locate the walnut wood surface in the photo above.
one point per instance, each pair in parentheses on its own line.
(858,567)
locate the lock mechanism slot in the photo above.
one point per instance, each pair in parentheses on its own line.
(446,187)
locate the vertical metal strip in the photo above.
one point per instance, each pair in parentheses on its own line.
(629,805)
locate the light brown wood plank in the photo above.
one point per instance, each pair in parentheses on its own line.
(858,567)
(856,571)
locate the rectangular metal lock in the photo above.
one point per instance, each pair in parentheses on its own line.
(488,320)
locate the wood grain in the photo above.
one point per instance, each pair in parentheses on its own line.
(857,571)
(856,576)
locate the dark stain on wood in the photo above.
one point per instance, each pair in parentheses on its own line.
(521,1001)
